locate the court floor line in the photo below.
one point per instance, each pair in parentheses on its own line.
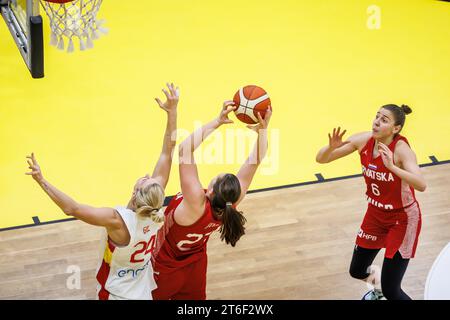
(319,176)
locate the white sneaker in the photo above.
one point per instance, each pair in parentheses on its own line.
(374,294)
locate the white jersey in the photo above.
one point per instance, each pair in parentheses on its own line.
(126,272)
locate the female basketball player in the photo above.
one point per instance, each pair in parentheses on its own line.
(393,217)
(125,271)
(180,260)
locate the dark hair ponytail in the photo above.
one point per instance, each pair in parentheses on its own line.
(399,113)
(227,191)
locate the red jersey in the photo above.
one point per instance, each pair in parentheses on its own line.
(178,246)
(385,190)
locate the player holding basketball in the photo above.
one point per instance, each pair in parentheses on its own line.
(180,259)
(393,217)
(126,271)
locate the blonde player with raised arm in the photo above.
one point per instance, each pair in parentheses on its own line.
(125,271)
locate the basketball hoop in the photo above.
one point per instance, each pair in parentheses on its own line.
(74,19)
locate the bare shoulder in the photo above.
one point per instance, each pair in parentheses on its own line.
(402,145)
(402,149)
(360,139)
(186,215)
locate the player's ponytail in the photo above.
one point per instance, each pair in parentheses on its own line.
(399,113)
(149,202)
(227,191)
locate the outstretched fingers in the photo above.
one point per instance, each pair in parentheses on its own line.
(32,165)
(166,93)
(159,102)
(32,158)
(268,114)
(228,103)
(172,90)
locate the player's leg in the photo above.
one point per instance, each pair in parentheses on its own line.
(168,284)
(403,235)
(391,277)
(371,238)
(361,261)
(401,244)
(361,268)
(195,285)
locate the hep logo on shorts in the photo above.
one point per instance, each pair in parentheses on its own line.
(366,236)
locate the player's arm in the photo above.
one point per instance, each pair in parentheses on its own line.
(105,217)
(411,171)
(248,169)
(191,187)
(337,148)
(161,171)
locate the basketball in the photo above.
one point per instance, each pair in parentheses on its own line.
(249,101)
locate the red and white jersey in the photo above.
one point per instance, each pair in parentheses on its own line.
(126,272)
(385,190)
(178,246)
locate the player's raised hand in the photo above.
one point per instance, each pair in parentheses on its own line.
(263,123)
(227,108)
(386,155)
(335,140)
(35,169)
(172,95)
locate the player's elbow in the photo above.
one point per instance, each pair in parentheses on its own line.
(70,210)
(422,187)
(320,159)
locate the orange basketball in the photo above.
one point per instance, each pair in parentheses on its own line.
(250,100)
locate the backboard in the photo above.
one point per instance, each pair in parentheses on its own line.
(25,24)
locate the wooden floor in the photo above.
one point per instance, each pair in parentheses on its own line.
(298,245)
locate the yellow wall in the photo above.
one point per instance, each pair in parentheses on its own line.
(95,128)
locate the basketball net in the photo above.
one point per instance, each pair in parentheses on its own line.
(75,19)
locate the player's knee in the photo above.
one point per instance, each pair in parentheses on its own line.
(358,273)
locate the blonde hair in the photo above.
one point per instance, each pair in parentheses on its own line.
(149,201)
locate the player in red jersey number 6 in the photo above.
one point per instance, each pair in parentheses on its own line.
(393,217)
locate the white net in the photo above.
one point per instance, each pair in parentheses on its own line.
(76,20)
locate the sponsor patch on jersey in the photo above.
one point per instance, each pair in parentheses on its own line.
(132,272)
(372,166)
(366,236)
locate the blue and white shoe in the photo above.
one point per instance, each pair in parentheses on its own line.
(374,294)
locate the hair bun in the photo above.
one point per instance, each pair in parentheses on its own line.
(406,109)
(146,210)
(157,216)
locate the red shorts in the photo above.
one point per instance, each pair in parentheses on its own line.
(396,230)
(186,283)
